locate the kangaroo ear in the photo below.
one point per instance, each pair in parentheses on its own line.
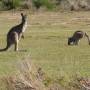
(22,14)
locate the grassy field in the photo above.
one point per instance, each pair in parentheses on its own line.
(46,43)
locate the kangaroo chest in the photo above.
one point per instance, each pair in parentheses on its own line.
(24,27)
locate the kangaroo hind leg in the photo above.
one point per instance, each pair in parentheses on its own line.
(16,41)
(16,46)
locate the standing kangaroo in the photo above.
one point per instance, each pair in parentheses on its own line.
(16,33)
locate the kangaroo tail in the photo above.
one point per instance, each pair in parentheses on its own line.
(87,37)
(4,49)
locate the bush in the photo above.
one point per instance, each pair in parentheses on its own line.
(46,3)
(10,4)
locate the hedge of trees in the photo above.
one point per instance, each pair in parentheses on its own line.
(26,4)
(49,4)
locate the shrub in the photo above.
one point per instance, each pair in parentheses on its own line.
(46,3)
(10,4)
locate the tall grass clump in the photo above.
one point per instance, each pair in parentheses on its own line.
(26,78)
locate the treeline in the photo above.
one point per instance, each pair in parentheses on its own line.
(47,4)
(25,4)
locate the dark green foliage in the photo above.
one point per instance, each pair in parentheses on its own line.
(37,3)
(49,4)
(46,3)
(10,4)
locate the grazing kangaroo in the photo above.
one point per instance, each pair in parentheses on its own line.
(76,38)
(16,33)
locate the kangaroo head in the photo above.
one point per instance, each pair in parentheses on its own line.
(70,40)
(24,17)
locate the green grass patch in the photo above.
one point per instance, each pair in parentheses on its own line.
(46,43)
